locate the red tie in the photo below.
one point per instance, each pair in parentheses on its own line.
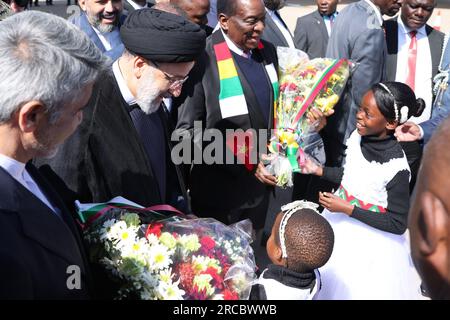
(412,56)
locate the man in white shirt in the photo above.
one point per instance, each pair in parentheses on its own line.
(414,51)
(46,78)
(276,30)
(101,21)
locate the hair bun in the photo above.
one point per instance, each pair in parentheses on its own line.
(420,106)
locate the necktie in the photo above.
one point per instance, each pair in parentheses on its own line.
(331,20)
(412,56)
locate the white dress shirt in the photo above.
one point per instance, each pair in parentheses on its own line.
(17,170)
(233,47)
(327,21)
(135,5)
(103,39)
(124,90)
(423,81)
(286,34)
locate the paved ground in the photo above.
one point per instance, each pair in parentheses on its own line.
(290,13)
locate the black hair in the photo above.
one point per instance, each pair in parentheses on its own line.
(401,95)
(227,7)
(309,241)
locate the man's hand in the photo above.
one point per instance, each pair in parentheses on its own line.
(409,131)
(264,176)
(318,118)
(334,203)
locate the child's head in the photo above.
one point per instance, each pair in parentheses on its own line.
(385,106)
(301,240)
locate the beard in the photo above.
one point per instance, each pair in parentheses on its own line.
(148,93)
(274,4)
(96,22)
(43,149)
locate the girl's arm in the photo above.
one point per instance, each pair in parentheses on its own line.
(394,220)
(332,174)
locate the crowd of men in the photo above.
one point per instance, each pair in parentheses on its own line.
(88,108)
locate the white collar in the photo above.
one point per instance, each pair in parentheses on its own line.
(124,90)
(12,166)
(232,46)
(135,5)
(377,11)
(405,29)
(271,12)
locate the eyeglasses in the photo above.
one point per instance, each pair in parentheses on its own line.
(174,81)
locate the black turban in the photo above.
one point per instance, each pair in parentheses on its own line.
(162,36)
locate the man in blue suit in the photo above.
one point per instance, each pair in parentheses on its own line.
(46,78)
(413,132)
(101,21)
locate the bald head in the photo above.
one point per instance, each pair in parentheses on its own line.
(196,10)
(429,220)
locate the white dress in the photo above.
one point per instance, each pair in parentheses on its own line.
(368,263)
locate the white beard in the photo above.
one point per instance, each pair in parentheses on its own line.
(148,93)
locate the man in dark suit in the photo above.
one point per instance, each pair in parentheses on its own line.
(41,251)
(238,95)
(276,30)
(313,30)
(122,147)
(414,52)
(357,35)
(101,21)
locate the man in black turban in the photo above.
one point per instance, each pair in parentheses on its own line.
(122,147)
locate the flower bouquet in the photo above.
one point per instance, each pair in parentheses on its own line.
(172,257)
(304,85)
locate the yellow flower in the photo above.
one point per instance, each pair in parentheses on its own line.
(168,240)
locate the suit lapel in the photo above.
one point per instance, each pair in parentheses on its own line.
(87,28)
(273,26)
(40,223)
(321,23)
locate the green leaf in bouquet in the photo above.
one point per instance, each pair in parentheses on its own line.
(131,219)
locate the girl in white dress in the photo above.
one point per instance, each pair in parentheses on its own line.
(368,213)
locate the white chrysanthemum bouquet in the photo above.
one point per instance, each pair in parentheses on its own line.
(158,257)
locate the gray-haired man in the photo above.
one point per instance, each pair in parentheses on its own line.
(47,70)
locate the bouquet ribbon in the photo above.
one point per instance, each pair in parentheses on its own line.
(92,214)
(316,89)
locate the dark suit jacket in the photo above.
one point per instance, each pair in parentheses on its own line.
(435,38)
(36,246)
(220,187)
(105,157)
(357,35)
(273,34)
(311,35)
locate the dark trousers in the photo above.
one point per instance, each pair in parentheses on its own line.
(413,151)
